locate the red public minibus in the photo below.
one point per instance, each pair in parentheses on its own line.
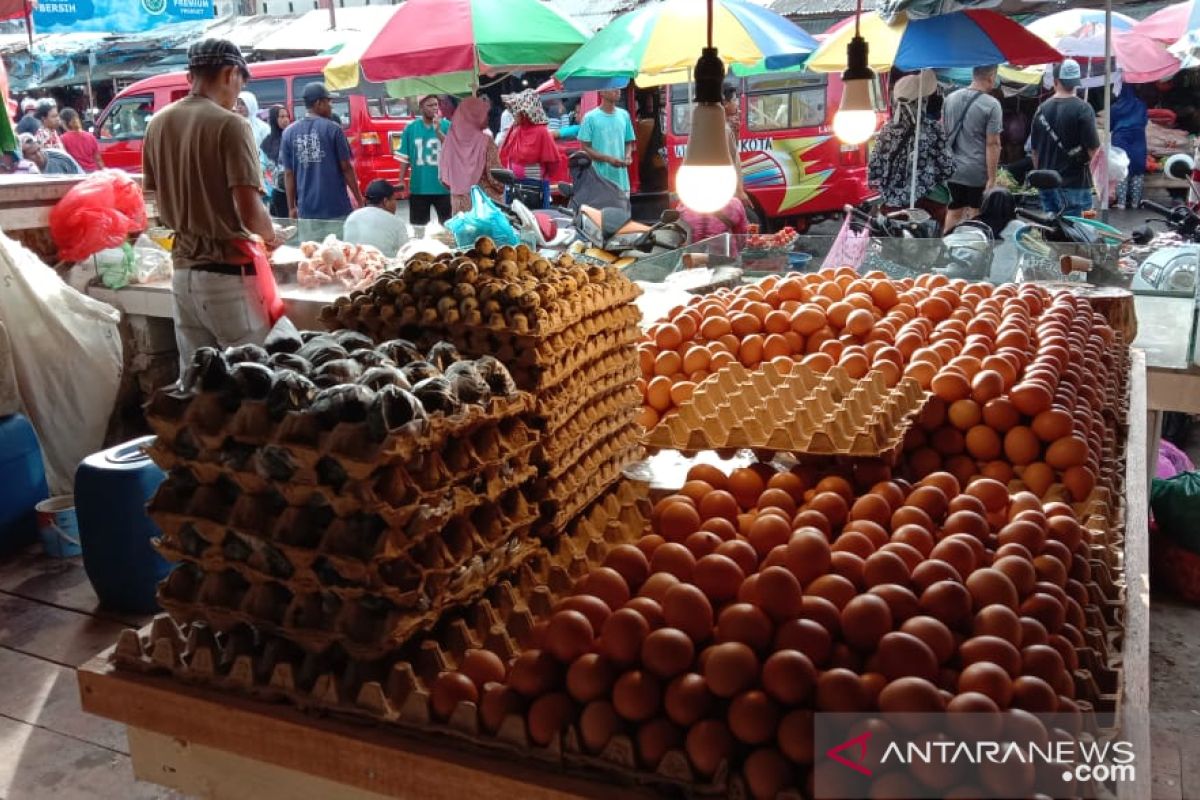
(794,168)
(373,121)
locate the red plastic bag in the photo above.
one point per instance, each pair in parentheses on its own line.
(97,213)
(264,276)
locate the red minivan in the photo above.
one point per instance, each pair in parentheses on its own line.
(794,168)
(373,121)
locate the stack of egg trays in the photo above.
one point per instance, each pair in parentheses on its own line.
(395,689)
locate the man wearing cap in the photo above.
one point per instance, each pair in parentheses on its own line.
(376,223)
(29,122)
(318,170)
(200,159)
(973,120)
(1064,139)
(419,154)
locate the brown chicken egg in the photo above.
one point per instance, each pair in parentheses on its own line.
(655,739)
(805,636)
(568,635)
(780,595)
(607,584)
(534,673)
(795,736)
(903,603)
(637,695)
(934,634)
(910,695)
(590,677)
(709,743)
(865,619)
(622,636)
(987,679)
(496,702)
(667,652)
(746,623)
(675,559)
(990,586)
(548,716)
(598,723)
(753,717)
(948,601)
(992,649)
(840,690)
(904,654)
(730,668)
(687,699)
(449,689)
(482,667)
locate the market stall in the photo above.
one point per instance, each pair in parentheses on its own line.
(439,519)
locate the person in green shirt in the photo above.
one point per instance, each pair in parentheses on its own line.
(607,137)
(420,149)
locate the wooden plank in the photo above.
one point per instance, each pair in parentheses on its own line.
(55,634)
(61,582)
(366,757)
(1189,757)
(217,775)
(37,764)
(1166,778)
(1136,652)
(1173,390)
(46,695)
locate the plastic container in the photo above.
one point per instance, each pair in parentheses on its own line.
(58,526)
(22,483)
(112,489)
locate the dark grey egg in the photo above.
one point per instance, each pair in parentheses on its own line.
(401,351)
(250,381)
(283,338)
(207,371)
(345,403)
(442,355)
(437,395)
(418,371)
(290,361)
(353,340)
(246,354)
(497,376)
(468,384)
(332,373)
(393,408)
(378,377)
(367,358)
(321,349)
(291,392)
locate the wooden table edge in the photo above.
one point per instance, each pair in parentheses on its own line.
(366,756)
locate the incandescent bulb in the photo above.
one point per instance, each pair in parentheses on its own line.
(708,178)
(853,127)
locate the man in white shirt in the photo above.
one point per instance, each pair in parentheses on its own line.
(376,223)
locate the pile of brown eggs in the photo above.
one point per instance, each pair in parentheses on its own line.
(1020,376)
(763,596)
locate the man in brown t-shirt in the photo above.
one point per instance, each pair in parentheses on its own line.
(200,159)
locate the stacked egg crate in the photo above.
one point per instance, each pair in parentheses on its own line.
(358,533)
(566,332)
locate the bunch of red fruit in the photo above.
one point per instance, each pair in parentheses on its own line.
(772,241)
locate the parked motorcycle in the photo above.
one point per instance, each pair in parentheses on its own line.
(1174,258)
(545,228)
(907,242)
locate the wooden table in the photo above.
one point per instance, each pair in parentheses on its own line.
(221,745)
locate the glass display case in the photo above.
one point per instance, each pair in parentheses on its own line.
(1162,276)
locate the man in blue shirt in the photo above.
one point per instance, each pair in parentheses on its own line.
(318,170)
(607,137)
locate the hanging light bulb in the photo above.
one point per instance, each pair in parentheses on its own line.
(854,121)
(708,178)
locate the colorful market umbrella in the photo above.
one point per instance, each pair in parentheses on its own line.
(445,45)
(1079,32)
(1178,28)
(961,39)
(659,43)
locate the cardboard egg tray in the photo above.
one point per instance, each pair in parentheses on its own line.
(602,416)
(387,318)
(557,406)
(395,689)
(616,517)
(570,491)
(479,466)
(191,425)
(797,412)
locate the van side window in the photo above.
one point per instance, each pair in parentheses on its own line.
(127,119)
(341,106)
(268,91)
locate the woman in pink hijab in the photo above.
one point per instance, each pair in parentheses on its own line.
(467,155)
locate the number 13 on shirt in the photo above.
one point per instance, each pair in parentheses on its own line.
(428,151)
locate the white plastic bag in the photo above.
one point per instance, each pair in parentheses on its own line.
(1118,168)
(67,353)
(151,261)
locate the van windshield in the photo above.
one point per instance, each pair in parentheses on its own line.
(773,102)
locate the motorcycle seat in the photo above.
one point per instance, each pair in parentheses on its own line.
(613,221)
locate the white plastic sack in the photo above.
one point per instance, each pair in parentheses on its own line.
(67,353)
(1118,168)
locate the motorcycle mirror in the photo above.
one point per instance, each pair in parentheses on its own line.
(668,216)
(1044,179)
(504,176)
(566,189)
(1143,234)
(1179,167)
